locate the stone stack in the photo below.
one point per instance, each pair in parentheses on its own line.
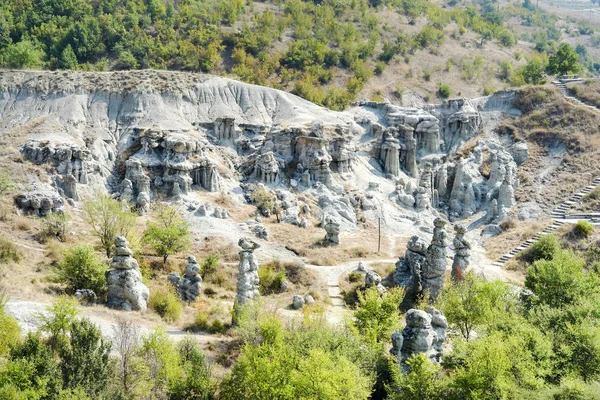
(188,287)
(425,333)
(332,227)
(462,252)
(125,288)
(247,285)
(435,263)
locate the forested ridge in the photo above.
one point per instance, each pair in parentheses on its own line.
(324,51)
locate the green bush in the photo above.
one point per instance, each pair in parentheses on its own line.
(583,229)
(166,304)
(264,200)
(54,226)
(379,67)
(545,248)
(271,277)
(8,251)
(354,277)
(81,268)
(210,264)
(9,330)
(444,91)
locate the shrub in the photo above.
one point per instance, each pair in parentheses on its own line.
(210,264)
(545,248)
(582,229)
(54,226)
(271,277)
(444,91)
(355,277)
(81,268)
(264,200)
(379,67)
(8,251)
(488,90)
(9,330)
(166,304)
(6,184)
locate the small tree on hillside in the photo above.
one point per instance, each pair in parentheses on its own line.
(108,218)
(169,234)
(564,62)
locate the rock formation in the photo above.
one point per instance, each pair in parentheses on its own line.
(40,202)
(462,251)
(435,263)
(425,333)
(423,266)
(247,285)
(188,287)
(125,288)
(408,268)
(297,302)
(373,279)
(332,227)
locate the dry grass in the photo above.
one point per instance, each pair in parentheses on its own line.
(564,146)
(513,236)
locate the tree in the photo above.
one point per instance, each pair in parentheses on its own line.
(533,71)
(23,54)
(377,315)
(565,61)
(423,381)
(561,281)
(31,372)
(85,361)
(108,218)
(57,320)
(131,371)
(473,302)
(81,268)
(169,234)
(68,59)
(195,381)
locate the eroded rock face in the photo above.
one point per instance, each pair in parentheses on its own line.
(125,288)
(425,333)
(247,286)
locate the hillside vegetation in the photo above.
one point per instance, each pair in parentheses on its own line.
(325,51)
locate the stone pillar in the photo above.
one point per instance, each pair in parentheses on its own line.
(332,227)
(462,252)
(435,264)
(410,159)
(390,154)
(247,285)
(125,288)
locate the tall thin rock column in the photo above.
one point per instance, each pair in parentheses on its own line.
(462,252)
(247,285)
(435,264)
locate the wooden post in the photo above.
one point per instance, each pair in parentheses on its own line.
(379,238)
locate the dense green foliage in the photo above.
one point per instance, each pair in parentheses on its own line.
(169,234)
(324,51)
(81,268)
